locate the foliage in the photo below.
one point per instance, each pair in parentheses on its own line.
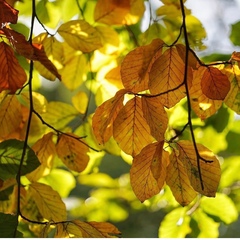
(157,105)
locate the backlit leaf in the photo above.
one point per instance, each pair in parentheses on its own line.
(235,35)
(203,106)
(215,85)
(137,64)
(130,128)
(167,75)
(48,202)
(10,116)
(156,116)
(10,157)
(177,179)
(80,101)
(12,74)
(73,152)
(114,77)
(210,171)
(80,35)
(104,116)
(175,224)
(7,13)
(148,171)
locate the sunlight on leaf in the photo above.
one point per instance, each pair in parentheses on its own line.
(7,13)
(80,101)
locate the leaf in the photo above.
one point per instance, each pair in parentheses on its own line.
(137,64)
(8,223)
(10,158)
(80,101)
(118,12)
(73,152)
(104,116)
(177,179)
(130,128)
(48,202)
(148,171)
(7,13)
(175,224)
(44,149)
(203,106)
(12,74)
(215,85)
(80,35)
(166,76)
(209,167)
(156,117)
(235,35)
(114,77)
(222,207)
(10,116)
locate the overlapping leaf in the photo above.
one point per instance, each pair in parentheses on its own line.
(80,35)
(7,13)
(167,76)
(215,85)
(48,202)
(205,178)
(12,74)
(104,116)
(177,179)
(73,152)
(130,128)
(203,106)
(148,171)
(137,64)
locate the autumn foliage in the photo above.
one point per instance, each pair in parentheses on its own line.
(146,84)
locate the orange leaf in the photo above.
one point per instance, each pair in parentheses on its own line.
(167,75)
(210,171)
(130,128)
(215,85)
(104,116)
(7,13)
(148,171)
(137,64)
(114,77)
(156,117)
(177,179)
(12,74)
(73,152)
(203,106)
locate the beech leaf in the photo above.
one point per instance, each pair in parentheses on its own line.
(7,13)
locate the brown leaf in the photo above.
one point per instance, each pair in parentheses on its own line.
(7,13)
(130,128)
(148,171)
(215,85)
(177,179)
(137,64)
(105,114)
(12,74)
(73,152)
(156,117)
(209,167)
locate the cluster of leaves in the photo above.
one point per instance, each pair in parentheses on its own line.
(138,88)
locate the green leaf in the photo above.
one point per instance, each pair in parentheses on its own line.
(10,158)
(235,34)
(8,225)
(175,224)
(221,207)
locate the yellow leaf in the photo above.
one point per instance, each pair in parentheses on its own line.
(156,117)
(10,116)
(203,106)
(177,179)
(205,178)
(44,149)
(137,64)
(130,128)
(73,152)
(114,77)
(48,202)
(80,101)
(167,75)
(148,171)
(80,35)
(12,74)
(105,115)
